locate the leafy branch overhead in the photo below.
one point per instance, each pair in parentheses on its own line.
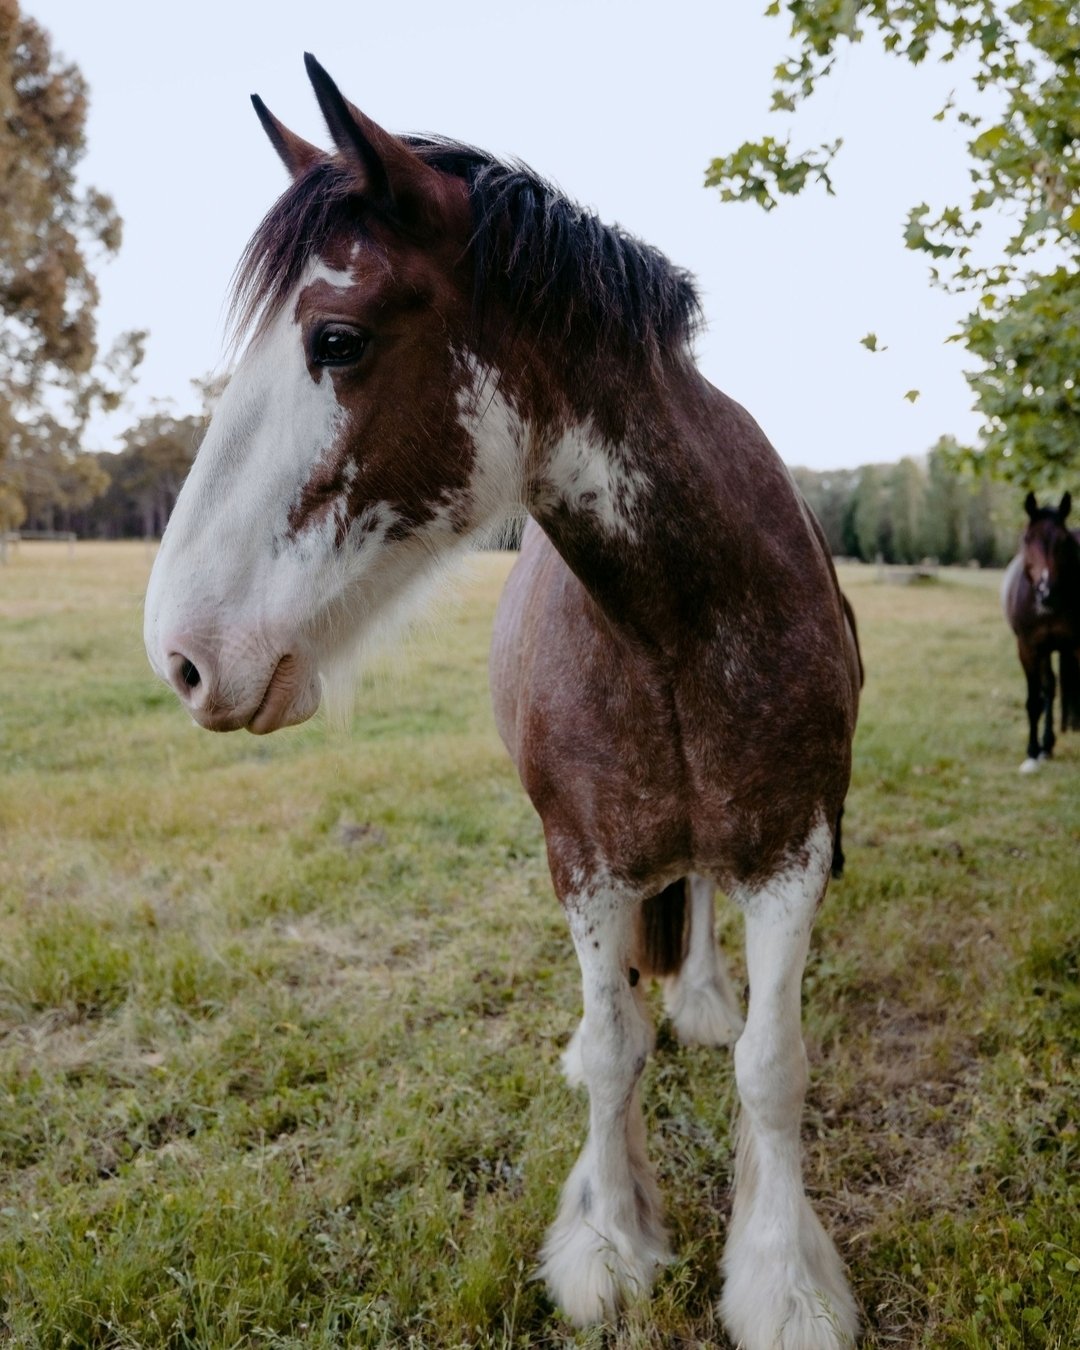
(762,171)
(1022,122)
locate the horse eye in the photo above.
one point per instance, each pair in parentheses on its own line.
(338,345)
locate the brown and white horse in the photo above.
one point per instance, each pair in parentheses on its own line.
(1040,594)
(442,340)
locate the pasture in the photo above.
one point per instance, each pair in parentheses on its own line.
(280,1017)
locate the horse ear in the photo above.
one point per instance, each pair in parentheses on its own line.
(1031,505)
(294,152)
(391,177)
(1065,507)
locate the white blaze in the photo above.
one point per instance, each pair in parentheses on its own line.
(227,556)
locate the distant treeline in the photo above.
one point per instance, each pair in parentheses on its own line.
(916,509)
(47,483)
(903,513)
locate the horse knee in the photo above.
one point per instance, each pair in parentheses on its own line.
(771,1078)
(614,1043)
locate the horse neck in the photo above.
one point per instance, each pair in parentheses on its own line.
(625,479)
(1067,580)
(1070,577)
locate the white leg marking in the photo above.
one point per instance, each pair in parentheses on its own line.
(785,1286)
(1030,765)
(608,1238)
(700,1001)
(573,1064)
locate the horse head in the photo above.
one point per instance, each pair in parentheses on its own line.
(343,460)
(1050,553)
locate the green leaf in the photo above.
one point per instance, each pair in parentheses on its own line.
(990,140)
(1022,140)
(912,395)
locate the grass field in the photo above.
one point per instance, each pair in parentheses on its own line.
(280,1018)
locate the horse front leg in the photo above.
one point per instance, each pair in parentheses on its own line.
(608,1239)
(1049,689)
(1070,689)
(1034,705)
(785,1287)
(838,859)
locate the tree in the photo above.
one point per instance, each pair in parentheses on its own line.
(937,508)
(868,516)
(993,522)
(50,232)
(906,498)
(53,478)
(945,532)
(12,509)
(829,495)
(146,476)
(1023,124)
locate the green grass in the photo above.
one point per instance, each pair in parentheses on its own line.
(280,1019)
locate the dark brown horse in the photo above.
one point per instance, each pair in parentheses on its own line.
(440,341)
(1040,594)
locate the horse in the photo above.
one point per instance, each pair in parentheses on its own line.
(1040,594)
(441,341)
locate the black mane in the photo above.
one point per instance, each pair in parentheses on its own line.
(559,261)
(297,227)
(559,268)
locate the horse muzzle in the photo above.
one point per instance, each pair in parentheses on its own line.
(225,689)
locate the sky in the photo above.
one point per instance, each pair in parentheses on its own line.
(622,104)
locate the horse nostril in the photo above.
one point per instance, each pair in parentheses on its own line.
(192,684)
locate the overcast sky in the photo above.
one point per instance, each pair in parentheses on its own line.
(623,104)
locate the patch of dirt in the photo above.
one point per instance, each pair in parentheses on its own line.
(354,834)
(890,1125)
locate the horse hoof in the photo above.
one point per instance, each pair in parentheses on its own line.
(1030,765)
